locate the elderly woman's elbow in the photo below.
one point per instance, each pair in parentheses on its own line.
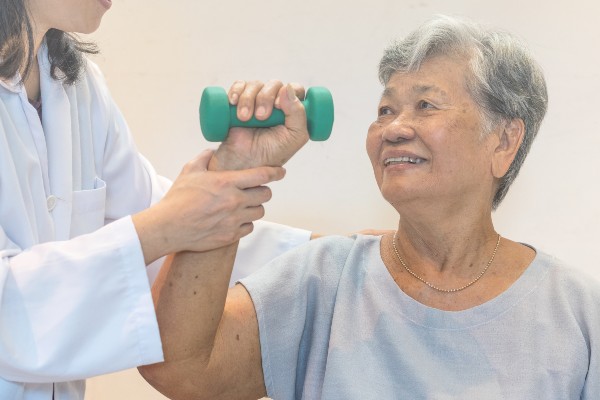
(157,375)
(172,382)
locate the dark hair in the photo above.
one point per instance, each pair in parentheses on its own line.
(65,51)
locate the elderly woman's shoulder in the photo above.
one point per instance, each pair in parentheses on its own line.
(570,279)
(343,243)
(335,249)
(325,257)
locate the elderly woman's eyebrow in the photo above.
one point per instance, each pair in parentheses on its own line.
(422,89)
(387,92)
(417,89)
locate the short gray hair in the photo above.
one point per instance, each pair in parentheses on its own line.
(504,80)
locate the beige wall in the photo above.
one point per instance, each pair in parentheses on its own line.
(159,55)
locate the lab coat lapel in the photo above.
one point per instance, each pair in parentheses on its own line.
(57,122)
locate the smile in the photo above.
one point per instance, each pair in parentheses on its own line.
(400,160)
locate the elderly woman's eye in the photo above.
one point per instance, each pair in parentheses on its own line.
(425,105)
(384,111)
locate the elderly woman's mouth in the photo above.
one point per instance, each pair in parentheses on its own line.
(402,160)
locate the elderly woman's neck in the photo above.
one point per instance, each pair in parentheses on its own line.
(446,240)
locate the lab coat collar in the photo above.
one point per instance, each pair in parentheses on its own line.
(58,123)
(12,84)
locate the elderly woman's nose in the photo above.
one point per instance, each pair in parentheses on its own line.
(398,129)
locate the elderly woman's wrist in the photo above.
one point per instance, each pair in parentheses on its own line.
(222,160)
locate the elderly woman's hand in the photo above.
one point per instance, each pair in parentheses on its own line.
(274,146)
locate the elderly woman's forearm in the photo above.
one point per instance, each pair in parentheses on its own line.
(189,296)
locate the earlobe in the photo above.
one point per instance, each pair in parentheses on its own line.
(510,139)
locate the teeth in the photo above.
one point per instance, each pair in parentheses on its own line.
(395,160)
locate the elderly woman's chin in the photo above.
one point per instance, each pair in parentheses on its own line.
(398,195)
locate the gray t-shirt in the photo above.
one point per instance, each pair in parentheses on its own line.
(334,325)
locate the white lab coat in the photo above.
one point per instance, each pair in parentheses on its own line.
(74,291)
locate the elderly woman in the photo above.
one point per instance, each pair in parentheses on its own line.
(443,308)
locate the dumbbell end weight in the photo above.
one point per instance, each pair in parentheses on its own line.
(319,113)
(214,114)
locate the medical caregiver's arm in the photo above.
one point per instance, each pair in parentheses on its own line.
(203,209)
(75,308)
(82,307)
(210,336)
(79,303)
(199,211)
(125,170)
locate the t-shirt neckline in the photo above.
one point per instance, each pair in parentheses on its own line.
(430,317)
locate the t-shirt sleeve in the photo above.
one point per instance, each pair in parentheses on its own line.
(267,241)
(294,296)
(588,309)
(577,296)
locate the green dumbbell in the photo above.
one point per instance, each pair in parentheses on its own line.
(217,116)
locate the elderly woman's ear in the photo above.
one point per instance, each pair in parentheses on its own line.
(510,137)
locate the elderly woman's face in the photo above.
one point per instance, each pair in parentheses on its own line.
(427,142)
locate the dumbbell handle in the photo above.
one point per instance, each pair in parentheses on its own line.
(217,116)
(277,117)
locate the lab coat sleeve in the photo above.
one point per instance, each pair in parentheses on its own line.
(63,319)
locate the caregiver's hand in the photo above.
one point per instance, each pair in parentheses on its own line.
(274,146)
(204,209)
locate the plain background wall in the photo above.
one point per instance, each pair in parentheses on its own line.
(158,56)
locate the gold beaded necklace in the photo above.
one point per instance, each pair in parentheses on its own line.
(435,287)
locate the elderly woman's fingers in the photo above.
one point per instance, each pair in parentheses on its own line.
(236,89)
(266,99)
(247,100)
(292,107)
(298,89)
(258,98)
